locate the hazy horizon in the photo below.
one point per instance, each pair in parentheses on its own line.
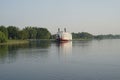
(95,17)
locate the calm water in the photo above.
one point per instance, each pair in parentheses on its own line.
(77,60)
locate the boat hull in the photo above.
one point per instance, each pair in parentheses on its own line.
(61,39)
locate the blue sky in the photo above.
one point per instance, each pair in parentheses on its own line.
(93,16)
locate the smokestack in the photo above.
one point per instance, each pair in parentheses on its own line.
(58,29)
(64,29)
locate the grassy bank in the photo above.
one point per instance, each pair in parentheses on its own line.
(11,42)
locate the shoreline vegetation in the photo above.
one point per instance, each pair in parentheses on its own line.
(14,35)
(15,42)
(12,42)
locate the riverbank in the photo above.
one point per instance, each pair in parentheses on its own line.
(12,42)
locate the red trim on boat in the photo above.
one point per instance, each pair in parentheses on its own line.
(61,39)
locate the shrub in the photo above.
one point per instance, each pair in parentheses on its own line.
(3,38)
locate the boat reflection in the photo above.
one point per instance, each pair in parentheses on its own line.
(64,49)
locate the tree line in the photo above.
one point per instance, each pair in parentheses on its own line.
(108,36)
(13,32)
(86,35)
(82,35)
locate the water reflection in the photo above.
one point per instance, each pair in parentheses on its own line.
(3,53)
(39,44)
(45,60)
(64,49)
(9,53)
(83,43)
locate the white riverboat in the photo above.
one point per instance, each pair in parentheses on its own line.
(63,35)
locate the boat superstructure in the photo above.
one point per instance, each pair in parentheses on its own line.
(63,35)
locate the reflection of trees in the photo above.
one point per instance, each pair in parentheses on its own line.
(12,53)
(81,43)
(3,53)
(39,44)
(9,53)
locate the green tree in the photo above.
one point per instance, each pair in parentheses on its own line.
(82,35)
(37,33)
(3,38)
(43,33)
(75,36)
(13,32)
(99,37)
(4,30)
(31,32)
(85,35)
(23,34)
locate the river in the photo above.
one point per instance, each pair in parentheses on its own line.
(75,60)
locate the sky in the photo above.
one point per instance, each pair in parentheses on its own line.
(93,16)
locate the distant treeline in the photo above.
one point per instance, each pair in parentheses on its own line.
(13,32)
(85,35)
(108,36)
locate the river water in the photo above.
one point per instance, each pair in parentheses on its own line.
(76,60)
